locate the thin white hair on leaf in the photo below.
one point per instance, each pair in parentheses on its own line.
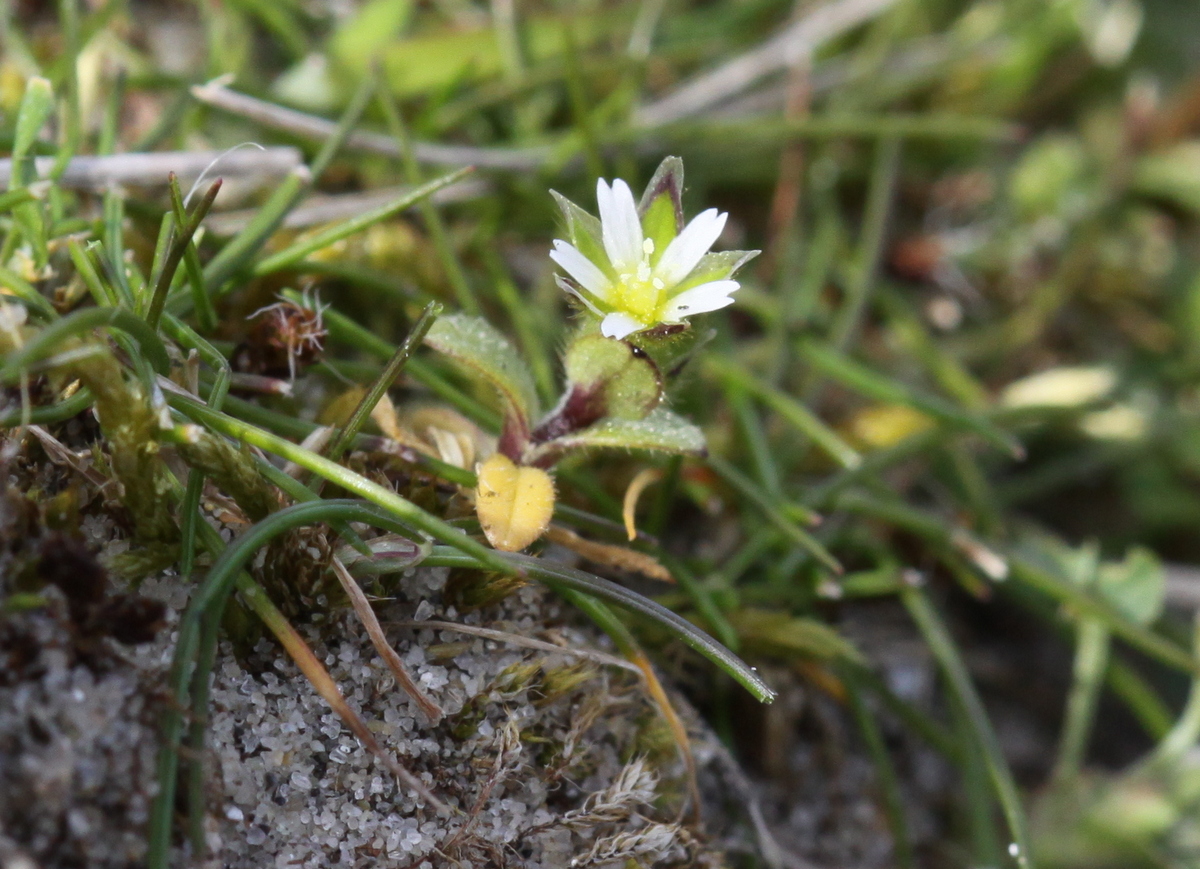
(204,174)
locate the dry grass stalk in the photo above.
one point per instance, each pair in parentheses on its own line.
(362,607)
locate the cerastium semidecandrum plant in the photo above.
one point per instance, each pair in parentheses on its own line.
(630,337)
(637,273)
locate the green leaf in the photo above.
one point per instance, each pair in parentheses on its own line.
(1135,586)
(36,106)
(625,384)
(672,347)
(771,632)
(302,248)
(1172,175)
(869,382)
(660,430)
(435,60)
(658,225)
(1048,174)
(368,31)
(475,343)
(583,231)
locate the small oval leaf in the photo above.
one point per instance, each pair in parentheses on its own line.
(514,503)
(479,346)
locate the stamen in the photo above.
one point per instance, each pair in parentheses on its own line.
(648,246)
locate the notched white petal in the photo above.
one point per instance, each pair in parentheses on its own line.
(684,252)
(629,225)
(698,300)
(604,207)
(582,269)
(620,228)
(619,324)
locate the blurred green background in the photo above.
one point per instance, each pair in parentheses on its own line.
(971,346)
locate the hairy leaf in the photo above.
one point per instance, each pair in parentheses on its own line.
(476,344)
(660,430)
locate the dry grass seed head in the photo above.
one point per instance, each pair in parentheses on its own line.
(633,787)
(288,336)
(650,843)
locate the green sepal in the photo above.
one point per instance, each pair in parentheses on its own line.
(625,382)
(660,430)
(661,207)
(583,231)
(671,346)
(475,344)
(717,266)
(658,225)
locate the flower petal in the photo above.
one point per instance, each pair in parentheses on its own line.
(619,324)
(582,269)
(620,226)
(682,254)
(697,300)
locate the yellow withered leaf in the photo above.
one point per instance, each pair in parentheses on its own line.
(514,504)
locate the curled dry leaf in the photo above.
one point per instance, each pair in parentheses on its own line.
(514,503)
(610,555)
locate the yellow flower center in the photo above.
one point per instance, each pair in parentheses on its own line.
(639,293)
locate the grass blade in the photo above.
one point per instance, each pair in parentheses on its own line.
(959,680)
(298,251)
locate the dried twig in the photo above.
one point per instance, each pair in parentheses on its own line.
(217,95)
(1183,586)
(362,607)
(318,209)
(921,59)
(609,554)
(782,51)
(323,683)
(62,455)
(152,168)
(525,642)
(508,751)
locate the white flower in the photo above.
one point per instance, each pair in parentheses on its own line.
(635,281)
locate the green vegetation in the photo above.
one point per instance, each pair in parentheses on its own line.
(961,379)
